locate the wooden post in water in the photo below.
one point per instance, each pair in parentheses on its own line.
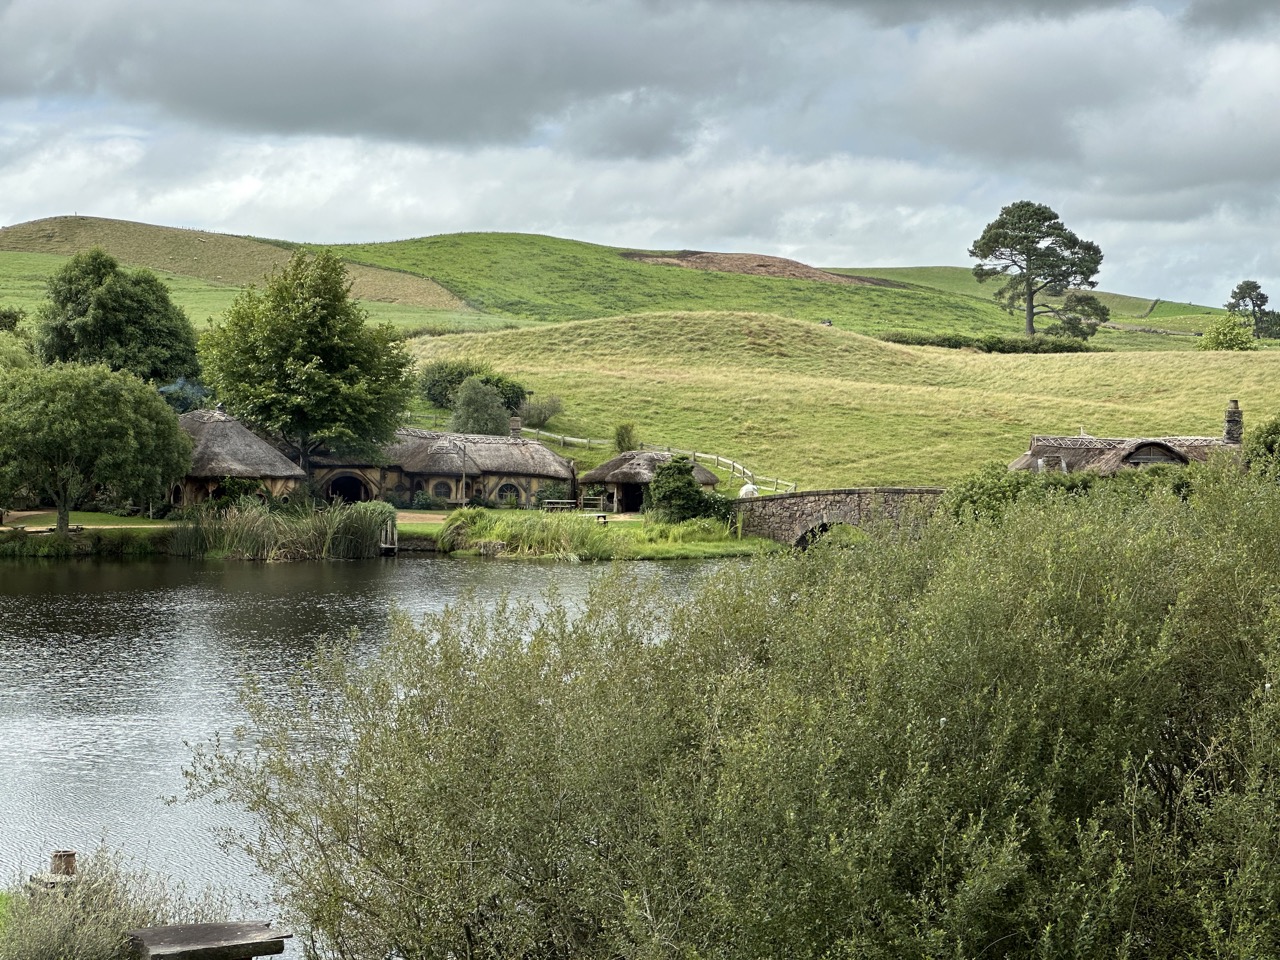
(62,872)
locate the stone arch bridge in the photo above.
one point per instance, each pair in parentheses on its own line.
(798,518)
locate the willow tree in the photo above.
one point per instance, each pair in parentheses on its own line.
(299,359)
(1040,261)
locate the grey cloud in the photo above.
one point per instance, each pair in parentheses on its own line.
(1232,15)
(978,12)
(450,71)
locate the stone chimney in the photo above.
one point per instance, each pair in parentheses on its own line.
(516,426)
(1233,424)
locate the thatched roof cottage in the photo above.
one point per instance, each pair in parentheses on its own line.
(627,475)
(222,447)
(1109,455)
(454,467)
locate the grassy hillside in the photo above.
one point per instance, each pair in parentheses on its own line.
(215,257)
(23,276)
(465,282)
(826,407)
(547,279)
(1126,310)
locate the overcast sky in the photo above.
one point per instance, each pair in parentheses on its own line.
(838,132)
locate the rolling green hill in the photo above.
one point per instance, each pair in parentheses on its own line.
(830,408)
(732,363)
(546,279)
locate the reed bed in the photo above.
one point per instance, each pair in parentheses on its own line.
(561,536)
(251,530)
(569,536)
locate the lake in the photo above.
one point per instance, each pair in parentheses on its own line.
(107,670)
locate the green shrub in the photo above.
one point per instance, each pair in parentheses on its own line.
(88,920)
(991,342)
(990,491)
(537,412)
(674,495)
(625,438)
(554,490)
(1262,447)
(1228,332)
(422,500)
(440,378)
(478,408)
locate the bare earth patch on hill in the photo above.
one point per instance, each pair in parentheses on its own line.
(214,257)
(754,264)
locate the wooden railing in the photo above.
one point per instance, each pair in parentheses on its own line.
(735,468)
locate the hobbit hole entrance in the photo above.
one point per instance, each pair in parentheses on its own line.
(348,488)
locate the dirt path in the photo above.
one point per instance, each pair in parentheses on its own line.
(757,264)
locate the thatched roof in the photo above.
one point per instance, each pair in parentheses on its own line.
(1107,455)
(638,466)
(223,447)
(435,453)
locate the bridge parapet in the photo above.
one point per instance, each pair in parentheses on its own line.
(792,517)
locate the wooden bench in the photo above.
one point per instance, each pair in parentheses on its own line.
(552,505)
(207,941)
(602,519)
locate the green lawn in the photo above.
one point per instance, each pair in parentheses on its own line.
(49,518)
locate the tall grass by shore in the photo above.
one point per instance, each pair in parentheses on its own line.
(574,537)
(250,530)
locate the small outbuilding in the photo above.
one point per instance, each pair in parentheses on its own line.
(1109,455)
(626,477)
(224,448)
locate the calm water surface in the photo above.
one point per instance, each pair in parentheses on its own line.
(108,669)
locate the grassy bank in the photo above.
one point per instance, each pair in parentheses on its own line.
(575,537)
(98,542)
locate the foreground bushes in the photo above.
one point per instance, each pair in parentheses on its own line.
(1055,734)
(88,921)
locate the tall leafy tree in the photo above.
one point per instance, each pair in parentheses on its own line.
(69,429)
(1039,260)
(299,359)
(98,312)
(1249,304)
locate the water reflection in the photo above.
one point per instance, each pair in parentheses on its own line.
(108,669)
